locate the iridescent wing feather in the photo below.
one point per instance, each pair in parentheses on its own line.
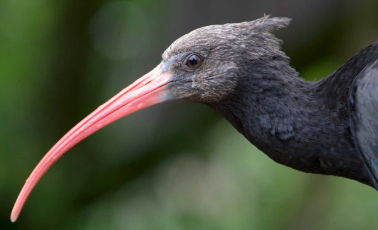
(363,110)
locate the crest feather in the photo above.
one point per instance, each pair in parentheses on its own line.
(268,24)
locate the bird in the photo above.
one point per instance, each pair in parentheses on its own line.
(328,127)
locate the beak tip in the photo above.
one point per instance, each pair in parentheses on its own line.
(13,217)
(15,214)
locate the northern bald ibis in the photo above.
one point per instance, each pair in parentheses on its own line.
(328,126)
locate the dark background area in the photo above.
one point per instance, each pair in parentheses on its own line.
(176,165)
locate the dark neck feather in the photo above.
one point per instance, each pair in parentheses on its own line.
(304,125)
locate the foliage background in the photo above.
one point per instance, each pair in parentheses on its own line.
(172,166)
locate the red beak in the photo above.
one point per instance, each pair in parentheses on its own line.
(146,91)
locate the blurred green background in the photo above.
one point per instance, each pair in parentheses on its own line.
(173,166)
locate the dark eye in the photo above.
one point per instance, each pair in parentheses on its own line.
(193,62)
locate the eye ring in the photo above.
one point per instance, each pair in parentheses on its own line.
(193,62)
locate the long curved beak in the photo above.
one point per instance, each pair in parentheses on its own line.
(148,90)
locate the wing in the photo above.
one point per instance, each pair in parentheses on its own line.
(363,111)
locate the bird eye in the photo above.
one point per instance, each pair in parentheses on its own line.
(193,62)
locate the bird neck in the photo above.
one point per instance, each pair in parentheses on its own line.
(285,117)
(267,106)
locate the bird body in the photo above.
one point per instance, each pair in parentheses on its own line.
(328,127)
(303,125)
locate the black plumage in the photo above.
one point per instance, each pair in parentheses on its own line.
(248,79)
(363,110)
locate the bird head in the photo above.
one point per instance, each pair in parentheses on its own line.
(205,66)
